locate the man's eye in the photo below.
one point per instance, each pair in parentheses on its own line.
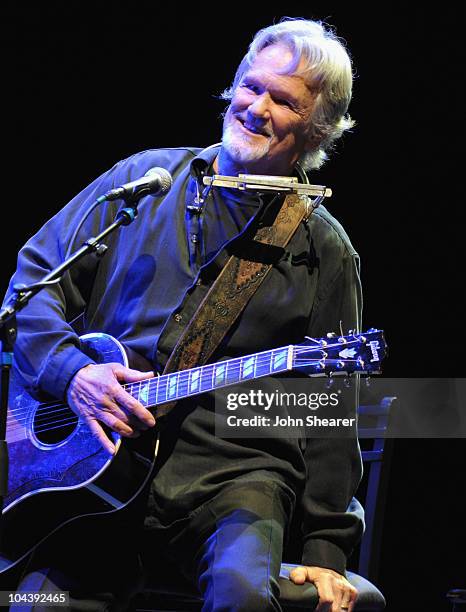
(285,103)
(250,86)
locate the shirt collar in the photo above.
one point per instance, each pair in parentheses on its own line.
(204,160)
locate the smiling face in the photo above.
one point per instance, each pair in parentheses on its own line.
(265,127)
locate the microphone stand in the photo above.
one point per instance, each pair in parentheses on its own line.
(8,325)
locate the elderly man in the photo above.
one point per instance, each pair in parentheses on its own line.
(220,507)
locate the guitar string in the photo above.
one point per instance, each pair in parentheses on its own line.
(71,420)
(232,364)
(46,410)
(74,418)
(130,387)
(134,388)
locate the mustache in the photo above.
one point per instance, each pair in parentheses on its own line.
(258,127)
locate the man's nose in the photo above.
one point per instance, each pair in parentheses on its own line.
(260,108)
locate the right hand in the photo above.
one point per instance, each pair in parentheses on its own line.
(95,394)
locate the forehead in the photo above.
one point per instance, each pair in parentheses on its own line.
(270,65)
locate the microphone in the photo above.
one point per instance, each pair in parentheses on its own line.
(156,182)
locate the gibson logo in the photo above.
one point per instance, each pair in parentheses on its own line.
(374,344)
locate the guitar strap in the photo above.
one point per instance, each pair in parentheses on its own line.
(232,290)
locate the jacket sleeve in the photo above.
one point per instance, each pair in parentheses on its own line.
(47,350)
(332,518)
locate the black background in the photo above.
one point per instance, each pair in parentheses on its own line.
(89,84)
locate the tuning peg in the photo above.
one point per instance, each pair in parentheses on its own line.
(312,339)
(347,382)
(331,335)
(368,381)
(330,382)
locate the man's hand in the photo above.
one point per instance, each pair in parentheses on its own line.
(95,394)
(335,592)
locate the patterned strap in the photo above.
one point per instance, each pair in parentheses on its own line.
(232,290)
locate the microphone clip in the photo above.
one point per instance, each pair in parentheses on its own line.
(198,172)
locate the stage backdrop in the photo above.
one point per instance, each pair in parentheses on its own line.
(87,86)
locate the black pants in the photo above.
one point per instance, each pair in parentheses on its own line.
(231,549)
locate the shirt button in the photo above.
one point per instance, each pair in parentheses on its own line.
(178,318)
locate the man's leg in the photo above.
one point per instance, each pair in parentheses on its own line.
(237,564)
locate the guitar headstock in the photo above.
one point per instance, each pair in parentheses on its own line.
(341,355)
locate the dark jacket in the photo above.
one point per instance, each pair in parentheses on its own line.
(144,290)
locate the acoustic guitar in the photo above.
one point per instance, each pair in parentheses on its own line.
(59,472)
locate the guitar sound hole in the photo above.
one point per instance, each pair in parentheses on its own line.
(53,423)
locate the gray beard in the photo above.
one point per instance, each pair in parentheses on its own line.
(240,150)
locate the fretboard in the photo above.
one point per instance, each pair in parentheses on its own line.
(179,385)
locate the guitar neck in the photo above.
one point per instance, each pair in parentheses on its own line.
(343,355)
(187,383)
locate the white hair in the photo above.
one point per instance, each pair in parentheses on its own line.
(327,72)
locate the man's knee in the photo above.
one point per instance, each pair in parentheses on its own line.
(233,590)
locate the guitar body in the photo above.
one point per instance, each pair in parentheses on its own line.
(58,472)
